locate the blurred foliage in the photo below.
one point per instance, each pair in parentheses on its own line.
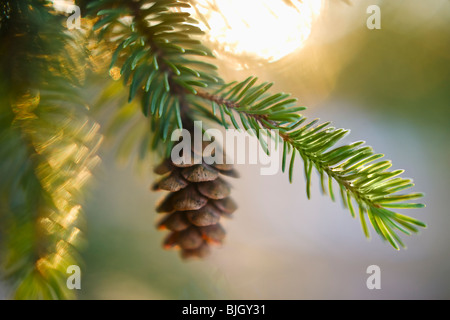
(47,147)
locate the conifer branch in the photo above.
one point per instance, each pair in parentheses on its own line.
(159,57)
(361,178)
(48,142)
(159,38)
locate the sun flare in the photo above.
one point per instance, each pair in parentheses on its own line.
(267,29)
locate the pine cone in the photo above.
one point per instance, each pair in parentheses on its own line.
(198,198)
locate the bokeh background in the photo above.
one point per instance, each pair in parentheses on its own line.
(391,87)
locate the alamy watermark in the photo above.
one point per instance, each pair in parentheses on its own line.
(374,280)
(74,280)
(242,147)
(374,20)
(74,20)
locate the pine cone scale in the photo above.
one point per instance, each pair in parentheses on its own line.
(198,198)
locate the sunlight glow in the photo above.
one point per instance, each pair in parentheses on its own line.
(268,29)
(63,5)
